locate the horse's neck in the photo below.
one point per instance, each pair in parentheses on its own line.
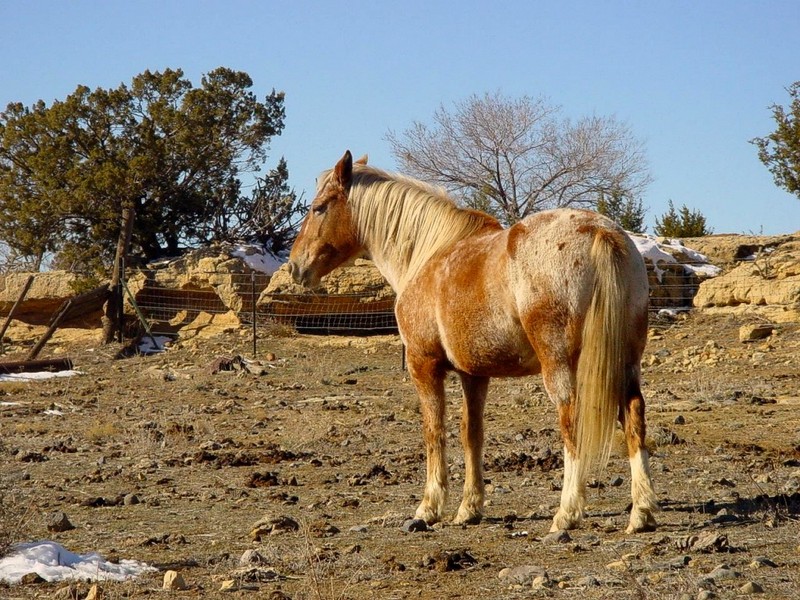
(396,274)
(402,235)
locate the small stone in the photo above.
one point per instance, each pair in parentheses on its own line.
(521,575)
(588,581)
(751,587)
(722,573)
(58,522)
(540,582)
(130,499)
(229,585)
(557,537)
(616,481)
(414,526)
(31,579)
(762,561)
(252,557)
(705,595)
(680,420)
(618,565)
(94,593)
(173,581)
(752,332)
(358,529)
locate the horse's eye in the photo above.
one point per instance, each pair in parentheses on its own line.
(319,209)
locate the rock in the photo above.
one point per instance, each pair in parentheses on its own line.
(358,529)
(751,587)
(58,522)
(705,595)
(557,537)
(273,526)
(762,561)
(768,284)
(130,499)
(32,579)
(414,526)
(94,593)
(174,581)
(229,585)
(587,581)
(355,288)
(722,573)
(521,575)
(753,332)
(47,293)
(618,565)
(252,557)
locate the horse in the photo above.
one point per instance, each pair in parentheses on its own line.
(562,292)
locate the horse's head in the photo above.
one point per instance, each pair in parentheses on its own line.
(327,236)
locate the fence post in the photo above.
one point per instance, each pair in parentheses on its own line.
(121,302)
(253,309)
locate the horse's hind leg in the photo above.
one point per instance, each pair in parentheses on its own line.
(475,389)
(644,498)
(560,385)
(428,379)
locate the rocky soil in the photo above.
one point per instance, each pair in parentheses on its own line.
(297,480)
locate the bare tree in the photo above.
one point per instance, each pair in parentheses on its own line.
(513,157)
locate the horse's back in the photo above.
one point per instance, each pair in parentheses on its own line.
(551,253)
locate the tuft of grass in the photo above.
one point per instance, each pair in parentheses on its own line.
(101,431)
(15,518)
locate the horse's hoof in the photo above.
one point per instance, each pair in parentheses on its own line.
(465,517)
(564,522)
(641,522)
(427,514)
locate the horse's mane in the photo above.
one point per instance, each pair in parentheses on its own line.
(406,221)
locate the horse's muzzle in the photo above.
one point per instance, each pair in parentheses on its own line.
(300,275)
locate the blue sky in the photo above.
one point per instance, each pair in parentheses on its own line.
(693,79)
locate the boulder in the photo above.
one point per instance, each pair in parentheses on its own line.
(47,293)
(767,285)
(214,280)
(674,270)
(352,297)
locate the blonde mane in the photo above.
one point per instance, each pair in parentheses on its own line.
(403,222)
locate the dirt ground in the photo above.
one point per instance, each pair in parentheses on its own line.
(161,460)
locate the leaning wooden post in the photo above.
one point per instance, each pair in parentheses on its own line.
(54,323)
(21,297)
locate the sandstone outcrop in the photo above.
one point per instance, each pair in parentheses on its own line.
(767,284)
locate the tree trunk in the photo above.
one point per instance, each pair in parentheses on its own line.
(111,319)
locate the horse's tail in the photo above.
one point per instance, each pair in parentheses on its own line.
(601,372)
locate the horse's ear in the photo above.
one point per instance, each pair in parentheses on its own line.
(362,161)
(343,171)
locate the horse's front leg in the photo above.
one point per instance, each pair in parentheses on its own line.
(428,377)
(475,389)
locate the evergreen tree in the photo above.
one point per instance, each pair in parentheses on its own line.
(172,152)
(623,209)
(780,150)
(681,223)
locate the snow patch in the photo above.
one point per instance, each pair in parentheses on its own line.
(37,376)
(53,562)
(658,251)
(258,258)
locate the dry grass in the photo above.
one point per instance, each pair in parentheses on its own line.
(15,519)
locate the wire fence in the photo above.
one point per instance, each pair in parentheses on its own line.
(343,313)
(171,300)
